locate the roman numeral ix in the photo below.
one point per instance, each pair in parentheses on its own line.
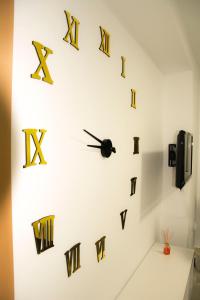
(73,30)
(43,65)
(43,231)
(38,152)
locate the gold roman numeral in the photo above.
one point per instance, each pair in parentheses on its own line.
(100,248)
(43,231)
(105,42)
(133,98)
(123,67)
(73,259)
(136,145)
(133,185)
(38,152)
(73,30)
(42,66)
(123,218)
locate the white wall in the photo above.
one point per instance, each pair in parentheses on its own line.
(180,108)
(85,192)
(197,212)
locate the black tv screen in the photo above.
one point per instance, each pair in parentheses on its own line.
(184,149)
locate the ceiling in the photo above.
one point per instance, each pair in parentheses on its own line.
(168,30)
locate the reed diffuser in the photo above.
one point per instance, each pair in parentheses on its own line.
(167,237)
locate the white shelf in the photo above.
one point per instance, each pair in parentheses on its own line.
(160,277)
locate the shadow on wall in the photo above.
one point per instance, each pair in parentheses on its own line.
(5,156)
(151,181)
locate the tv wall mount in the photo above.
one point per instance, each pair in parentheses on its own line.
(172,155)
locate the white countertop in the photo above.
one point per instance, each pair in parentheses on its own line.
(160,277)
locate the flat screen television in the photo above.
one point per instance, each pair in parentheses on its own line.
(184,149)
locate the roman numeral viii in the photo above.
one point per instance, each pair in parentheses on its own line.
(38,152)
(43,231)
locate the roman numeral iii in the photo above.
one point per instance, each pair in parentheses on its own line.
(73,30)
(105,42)
(43,65)
(32,133)
(73,259)
(43,232)
(136,145)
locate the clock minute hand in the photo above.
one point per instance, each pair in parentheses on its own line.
(94,137)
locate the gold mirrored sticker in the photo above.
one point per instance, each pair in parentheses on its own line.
(73,259)
(40,49)
(136,145)
(44,233)
(105,42)
(133,98)
(133,185)
(32,133)
(123,218)
(123,66)
(73,30)
(100,248)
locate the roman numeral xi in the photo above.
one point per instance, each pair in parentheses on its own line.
(73,30)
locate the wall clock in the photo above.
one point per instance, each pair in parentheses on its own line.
(44,227)
(73,200)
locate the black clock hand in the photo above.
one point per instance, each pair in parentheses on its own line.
(94,146)
(106,145)
(94,137)
(113,149)
(100,147)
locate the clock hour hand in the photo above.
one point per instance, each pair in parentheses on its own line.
(94,137)
(94,146)
(100,147)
